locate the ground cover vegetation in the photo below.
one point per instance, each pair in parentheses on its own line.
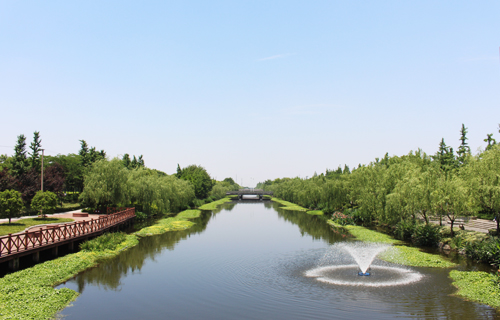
(415,197)
(30,293)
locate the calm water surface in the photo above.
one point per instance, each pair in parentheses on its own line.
(247,261)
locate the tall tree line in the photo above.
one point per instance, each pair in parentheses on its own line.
(406,188)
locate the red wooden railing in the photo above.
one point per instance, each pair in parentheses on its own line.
(14,243)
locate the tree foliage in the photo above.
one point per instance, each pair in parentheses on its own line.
(199,178)
(109,183)
(11,204)
(35,147)
(20,164)
(105,184)
(45,202)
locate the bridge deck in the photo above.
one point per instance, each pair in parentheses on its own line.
(255,192)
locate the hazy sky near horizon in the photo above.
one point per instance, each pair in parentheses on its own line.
(249,89)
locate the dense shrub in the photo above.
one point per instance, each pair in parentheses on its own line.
(487,250)
(360,217)
(426,235)
(404,230)
(108,241)
(139,215)
(342,219)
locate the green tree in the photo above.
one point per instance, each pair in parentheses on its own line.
(446,157)
(452,198)
(84,153)
(35,147)
(11,204)
(200,179)
(484,177)
(105,184)
(463,149)
(72,167)
(489,139)
(45,202)
(20,164)
(126,161)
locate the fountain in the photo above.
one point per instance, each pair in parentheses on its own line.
(336,267)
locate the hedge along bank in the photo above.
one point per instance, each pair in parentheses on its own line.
(29,293)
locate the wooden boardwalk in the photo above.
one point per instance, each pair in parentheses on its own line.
(14,246)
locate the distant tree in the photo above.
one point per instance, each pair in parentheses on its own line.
(179,171)
(28,185)
(84,153)
(489,139)
(45,202)
(54,178)
(11,204)
(35,151)
(126,161)
(199,178)
(463,149)
(446,157)
(5,162)
(73,173)
(229,180)
(20,164)
(7,181)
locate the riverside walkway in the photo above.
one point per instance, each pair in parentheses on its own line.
(39,238)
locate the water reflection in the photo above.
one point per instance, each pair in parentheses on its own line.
(109,273)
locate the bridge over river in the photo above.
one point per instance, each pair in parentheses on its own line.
(250,192)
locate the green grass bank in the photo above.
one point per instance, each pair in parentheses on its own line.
(294,207)
(213,205)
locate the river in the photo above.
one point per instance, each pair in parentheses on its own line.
(247,260)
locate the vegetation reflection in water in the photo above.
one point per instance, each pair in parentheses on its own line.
(110,272)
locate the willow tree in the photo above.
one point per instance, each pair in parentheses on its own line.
(412,196)
(452,197)
(483,173)
(105,184)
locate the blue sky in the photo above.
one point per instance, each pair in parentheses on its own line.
(253,89)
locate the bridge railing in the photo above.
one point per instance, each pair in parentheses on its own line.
(14,243)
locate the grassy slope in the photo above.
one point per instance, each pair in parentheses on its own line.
(213,205)
(294,207)
(29,293)
(22,224)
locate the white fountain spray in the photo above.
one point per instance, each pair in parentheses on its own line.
(336,267)
(364,253)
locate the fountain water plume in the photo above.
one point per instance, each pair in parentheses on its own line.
(364,253)
(336,267)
